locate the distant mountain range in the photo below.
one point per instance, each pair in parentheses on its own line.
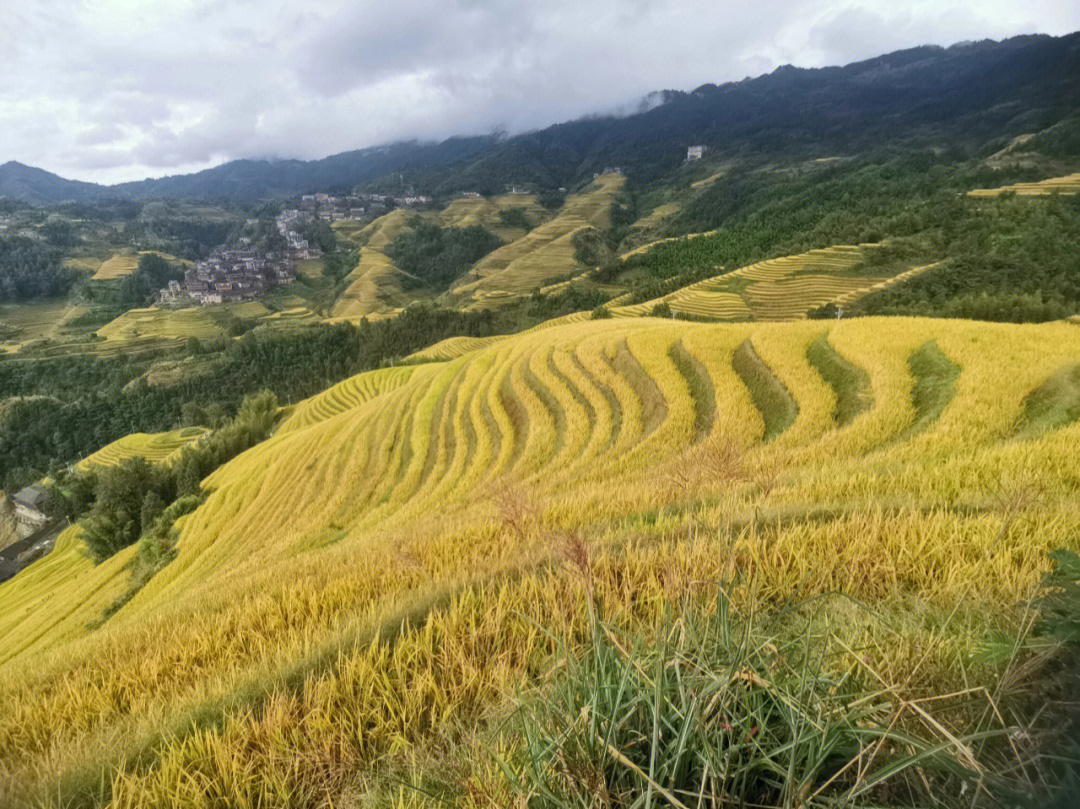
(966,93)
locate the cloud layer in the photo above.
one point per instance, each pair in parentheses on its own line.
(112,90)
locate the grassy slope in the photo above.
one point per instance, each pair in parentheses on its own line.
(359,514)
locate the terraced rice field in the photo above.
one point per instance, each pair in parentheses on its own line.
(344,396)
(31,321)
(657,215)
(1069,184)
(161,325)
(545,252)
(347,229)
(122,264)
(296,315)
(386,228)
(375,583)
(140,329)
(555,288)
(464,212)
(777,289)
(703,299)
(374,287)
(116,267)
(453,347)
(154,447)
(791,299)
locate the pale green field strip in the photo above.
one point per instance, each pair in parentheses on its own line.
(28,322)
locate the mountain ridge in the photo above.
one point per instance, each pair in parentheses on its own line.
(812,110)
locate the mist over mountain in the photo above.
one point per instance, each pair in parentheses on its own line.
(931,95)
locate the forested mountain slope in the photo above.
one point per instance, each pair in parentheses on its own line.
(952,98)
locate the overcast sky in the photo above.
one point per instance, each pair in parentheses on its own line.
(113,90)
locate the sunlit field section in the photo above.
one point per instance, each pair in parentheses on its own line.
(374,287)
(1069,184)
(345,395)
(122,264)
(777,289)
(154,447)
(380,233)
(453,347)
(169,325)
(543,253)
(116,267)
(27,621)
(433,507)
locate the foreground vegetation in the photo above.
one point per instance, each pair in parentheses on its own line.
(364,603)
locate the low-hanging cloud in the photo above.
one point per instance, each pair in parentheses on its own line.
(112,90)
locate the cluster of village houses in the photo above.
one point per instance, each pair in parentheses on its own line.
(331,208)
(229,276)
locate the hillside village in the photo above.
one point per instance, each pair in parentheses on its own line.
(229,276)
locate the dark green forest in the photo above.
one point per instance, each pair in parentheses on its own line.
(32,269)
(436,256)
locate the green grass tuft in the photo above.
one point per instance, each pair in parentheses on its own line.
(850,383)
(934,387)
(777,406)
(1054,404)
(720,711)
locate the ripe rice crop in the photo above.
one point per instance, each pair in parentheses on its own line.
(453,347)
(122,264)
(373,582)
(116,267)
(1069,184)
(374,287)
(154,447)
(386,228)
(464,212)
(346,395)
(543,253)
(777,289)
(153,323)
